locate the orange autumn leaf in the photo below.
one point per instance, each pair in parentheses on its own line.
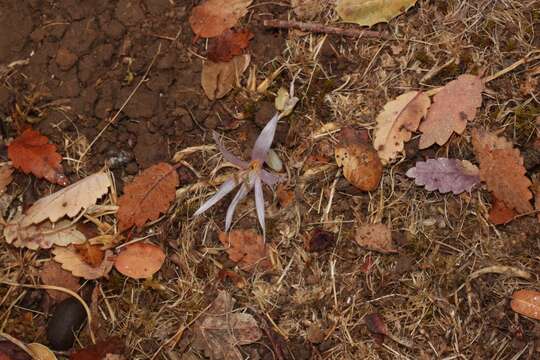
(149,195)
(452,107)
(228,45)
(213,17)
(285,197)
(501,168)
(526,302)
(90,254)
(246,248)
(376,237)
(500,213)
(31,152)
(71,261)
(140,260)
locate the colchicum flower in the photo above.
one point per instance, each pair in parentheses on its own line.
(251,175)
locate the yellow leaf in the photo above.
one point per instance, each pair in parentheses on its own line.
(370,12)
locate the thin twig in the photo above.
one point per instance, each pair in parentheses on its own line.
(113,119)
(320,28)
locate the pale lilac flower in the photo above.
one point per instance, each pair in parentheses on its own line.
(251,175)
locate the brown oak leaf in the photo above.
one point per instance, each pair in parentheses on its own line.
(228,45)
(501,168)
(31,152)
(246,248)
(52,274)
(361,164)
(376,237)
(452,107)
(43,235)
(149,195)
(220,331)
(395,123)
(72,261)
(213,17)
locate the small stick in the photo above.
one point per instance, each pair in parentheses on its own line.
(320,28)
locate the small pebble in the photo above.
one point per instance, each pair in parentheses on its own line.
(66,320)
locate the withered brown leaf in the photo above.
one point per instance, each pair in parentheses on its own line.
(31,152)
(140,260)
(376,237)
(52,274)
(71,261)
(452,107)
(212,17)
(149,195)
(228,45)
(501,168)
(526,302)
(246,248)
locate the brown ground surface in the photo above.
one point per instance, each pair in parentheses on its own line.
(86,57)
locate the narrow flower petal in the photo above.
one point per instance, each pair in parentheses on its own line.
(271,179)
(227,155)
(241,194)
(264,141)
(259,204)
(223,190)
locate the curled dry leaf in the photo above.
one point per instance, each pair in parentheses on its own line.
(212,17)
(526,302)
(376,237)
(395,123)
(220,331)
(6,177)
(41,352)
(361,164)
(371,12)
(246,248)
(43,235)
(445,175)
(52,274)
(32,153)
(71,261)
(452,107)
(218,78)
(139,260)
(68,201)
(500,213)
(228,45)
(149,195)
(501,168)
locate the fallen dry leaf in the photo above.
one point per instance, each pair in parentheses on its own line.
(139,260)
(213,17)
(452,107)
(376,326)
(319,240)
(32,153)
(526,302)
(361,164)
(218,78)
(6,177)
(100,350)
(285,197)
(52,274)
(371,12)
(41,352)
(69,201)
(501,168)
(500,213)
(43,235)
(537,196)
(376,237)
(149,195)
(10,351)
(445,175)
(246,248)
(228,45)
(71,261)
(395,123)
(90,254)
(220,331)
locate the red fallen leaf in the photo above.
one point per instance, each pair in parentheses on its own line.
(140,260)
(228,45)
(149,195)
(500,213)
(32,153)
(99,351)
(376,326)
(526,302)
